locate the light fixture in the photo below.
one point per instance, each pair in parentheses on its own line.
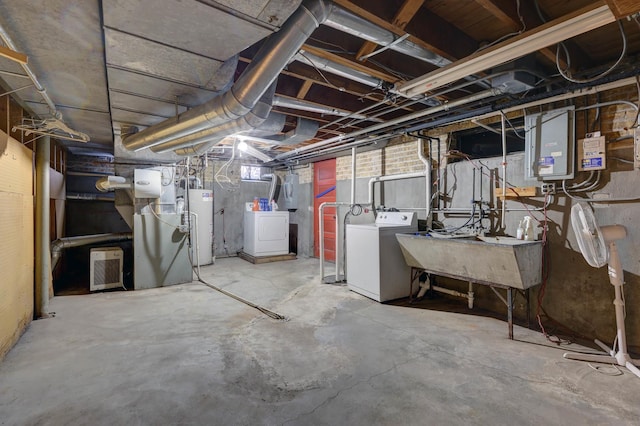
(556,31)
(245,147)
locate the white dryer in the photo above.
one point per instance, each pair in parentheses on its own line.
(375,265)
(266,233)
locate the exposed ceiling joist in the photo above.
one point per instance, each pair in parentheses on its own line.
(402,18)
(506,11)
(438,48)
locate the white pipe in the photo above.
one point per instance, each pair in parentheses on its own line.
(321,233)
(197,242)
(353,175)
(504,170)
(427,177)
(373,180)
(409,117)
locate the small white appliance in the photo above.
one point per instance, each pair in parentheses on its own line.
(375,265)
(105,269)
(266,233)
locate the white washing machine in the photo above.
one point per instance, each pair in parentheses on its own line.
(375,265)
(266,233)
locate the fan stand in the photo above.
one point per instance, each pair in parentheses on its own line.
(621,357)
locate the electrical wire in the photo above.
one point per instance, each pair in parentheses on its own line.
(566,74)
(267,312)
(513,34)
(545,266)
(159,218)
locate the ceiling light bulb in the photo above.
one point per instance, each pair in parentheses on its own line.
(242,146)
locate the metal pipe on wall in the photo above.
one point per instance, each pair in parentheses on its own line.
(43,262)
(353,175)
(427,175)
(504,169)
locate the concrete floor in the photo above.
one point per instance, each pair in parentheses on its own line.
(189,355)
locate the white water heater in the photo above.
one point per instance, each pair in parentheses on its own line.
(200,202)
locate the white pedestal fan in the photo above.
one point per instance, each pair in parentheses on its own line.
(598,246)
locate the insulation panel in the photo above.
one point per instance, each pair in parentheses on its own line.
(16,244)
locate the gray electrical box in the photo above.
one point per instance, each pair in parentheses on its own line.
(290,192)
(550,145)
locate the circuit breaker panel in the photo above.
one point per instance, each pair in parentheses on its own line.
(550,144)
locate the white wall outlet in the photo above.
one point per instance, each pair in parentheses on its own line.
(548,188)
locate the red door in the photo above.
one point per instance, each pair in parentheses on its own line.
(324,190)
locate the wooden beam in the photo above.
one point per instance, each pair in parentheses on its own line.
(304,89)
(349,63)
(21,58)
(524,191)
(506,12)
(402,18)
(623,8)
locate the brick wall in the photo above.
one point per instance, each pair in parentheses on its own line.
(305,173)
(400,156)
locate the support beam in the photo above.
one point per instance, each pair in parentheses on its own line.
(43,255)
(18,57)
(506,12)
(304,89)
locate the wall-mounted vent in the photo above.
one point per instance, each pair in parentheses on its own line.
(105,268)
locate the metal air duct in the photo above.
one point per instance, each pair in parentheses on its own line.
(347,22)
(253,119)
(324,64)
(274,55)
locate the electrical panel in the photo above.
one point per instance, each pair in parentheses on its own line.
(592,152)
(550,144)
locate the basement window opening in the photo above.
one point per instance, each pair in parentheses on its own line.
(253,172)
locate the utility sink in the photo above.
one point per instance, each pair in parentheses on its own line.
(501,261)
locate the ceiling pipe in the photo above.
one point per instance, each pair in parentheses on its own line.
(324,64)
(347,22)
(253,119)
(270,60)
(302,105)
(305,129)
(250,121)
(400,120)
